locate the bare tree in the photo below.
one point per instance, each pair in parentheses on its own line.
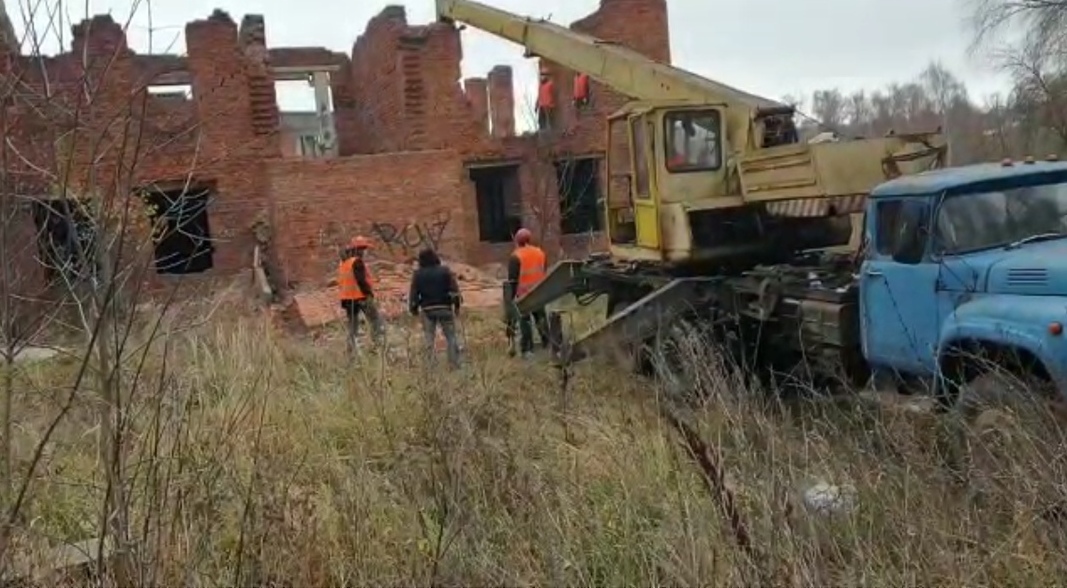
(1034,24)
(859,112)
(829,107)
(75,238)
(947,94)
(1038,97)
(561,188)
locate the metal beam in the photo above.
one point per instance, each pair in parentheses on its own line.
(285,73)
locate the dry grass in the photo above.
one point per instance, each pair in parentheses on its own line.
(255,458)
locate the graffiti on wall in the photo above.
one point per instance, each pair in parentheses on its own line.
(399,240)
(407,239)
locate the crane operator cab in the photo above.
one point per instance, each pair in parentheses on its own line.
(700,184)
(693,144)
(666,160)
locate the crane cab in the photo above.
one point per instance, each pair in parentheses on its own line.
(661,157)
(703,185)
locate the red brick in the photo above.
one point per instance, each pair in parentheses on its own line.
(477,91)
(406,128)
(502,101)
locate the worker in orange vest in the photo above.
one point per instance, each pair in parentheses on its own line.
(546,102)
(355,286)
(581,91)
(527,267)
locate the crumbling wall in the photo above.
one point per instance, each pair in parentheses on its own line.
(406,128)
(405,81)
(125,138)
(403,201)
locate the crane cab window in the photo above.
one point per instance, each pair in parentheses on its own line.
(693,141)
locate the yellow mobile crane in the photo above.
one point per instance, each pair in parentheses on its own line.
(718,181)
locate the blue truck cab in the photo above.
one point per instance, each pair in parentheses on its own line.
(963,260)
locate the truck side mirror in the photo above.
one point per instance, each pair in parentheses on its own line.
(912,232)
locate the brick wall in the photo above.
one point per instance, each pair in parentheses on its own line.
(398,100)
(640,25)
(403,201)
(477,92)
(405,81)
(502,101)
(210,139)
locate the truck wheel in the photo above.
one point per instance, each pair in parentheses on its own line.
(1000,391)
(1001,415)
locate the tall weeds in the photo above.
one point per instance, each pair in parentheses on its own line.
(254,459)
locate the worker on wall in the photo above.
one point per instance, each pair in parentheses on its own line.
(581,91)
(526,268)
(355,286)
(546,102)
(435,293)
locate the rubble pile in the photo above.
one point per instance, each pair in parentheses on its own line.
(392,281)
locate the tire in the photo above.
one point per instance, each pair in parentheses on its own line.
(1000,418)
(1000,391)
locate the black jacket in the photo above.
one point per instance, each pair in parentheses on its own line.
(433,285)
(514,269)
(359,271)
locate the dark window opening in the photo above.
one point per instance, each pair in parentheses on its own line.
(182,234)
(499,202)
(578,181)
(65,239)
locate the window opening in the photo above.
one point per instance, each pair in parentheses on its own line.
(182,231)
(693,141)
(499,202)
(578,181)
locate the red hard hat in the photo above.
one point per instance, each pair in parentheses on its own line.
(360,242)
(523,236)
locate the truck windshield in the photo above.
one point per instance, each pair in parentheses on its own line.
(972,222)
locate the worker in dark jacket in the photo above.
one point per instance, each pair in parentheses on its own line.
(355,286)
(526,267)
(435,293)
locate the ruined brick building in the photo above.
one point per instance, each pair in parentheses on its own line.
(401,150)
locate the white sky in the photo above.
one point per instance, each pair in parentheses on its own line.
(768,47)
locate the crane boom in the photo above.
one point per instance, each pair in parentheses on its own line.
(624,70)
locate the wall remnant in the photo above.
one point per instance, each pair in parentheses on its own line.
(403,134)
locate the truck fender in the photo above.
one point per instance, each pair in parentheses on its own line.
(984,321)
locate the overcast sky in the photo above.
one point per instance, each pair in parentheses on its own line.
(768,47)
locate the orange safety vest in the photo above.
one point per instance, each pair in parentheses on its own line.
(546,95)
(532,263)
(581,88)
(347,287)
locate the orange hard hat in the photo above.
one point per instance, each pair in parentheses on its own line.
(360,242)
(523,236)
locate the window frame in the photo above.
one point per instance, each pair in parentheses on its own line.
(883,248)
(639,166)
(670,118)
(938,246)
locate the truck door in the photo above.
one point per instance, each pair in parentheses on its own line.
(645,200)
(899,300)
